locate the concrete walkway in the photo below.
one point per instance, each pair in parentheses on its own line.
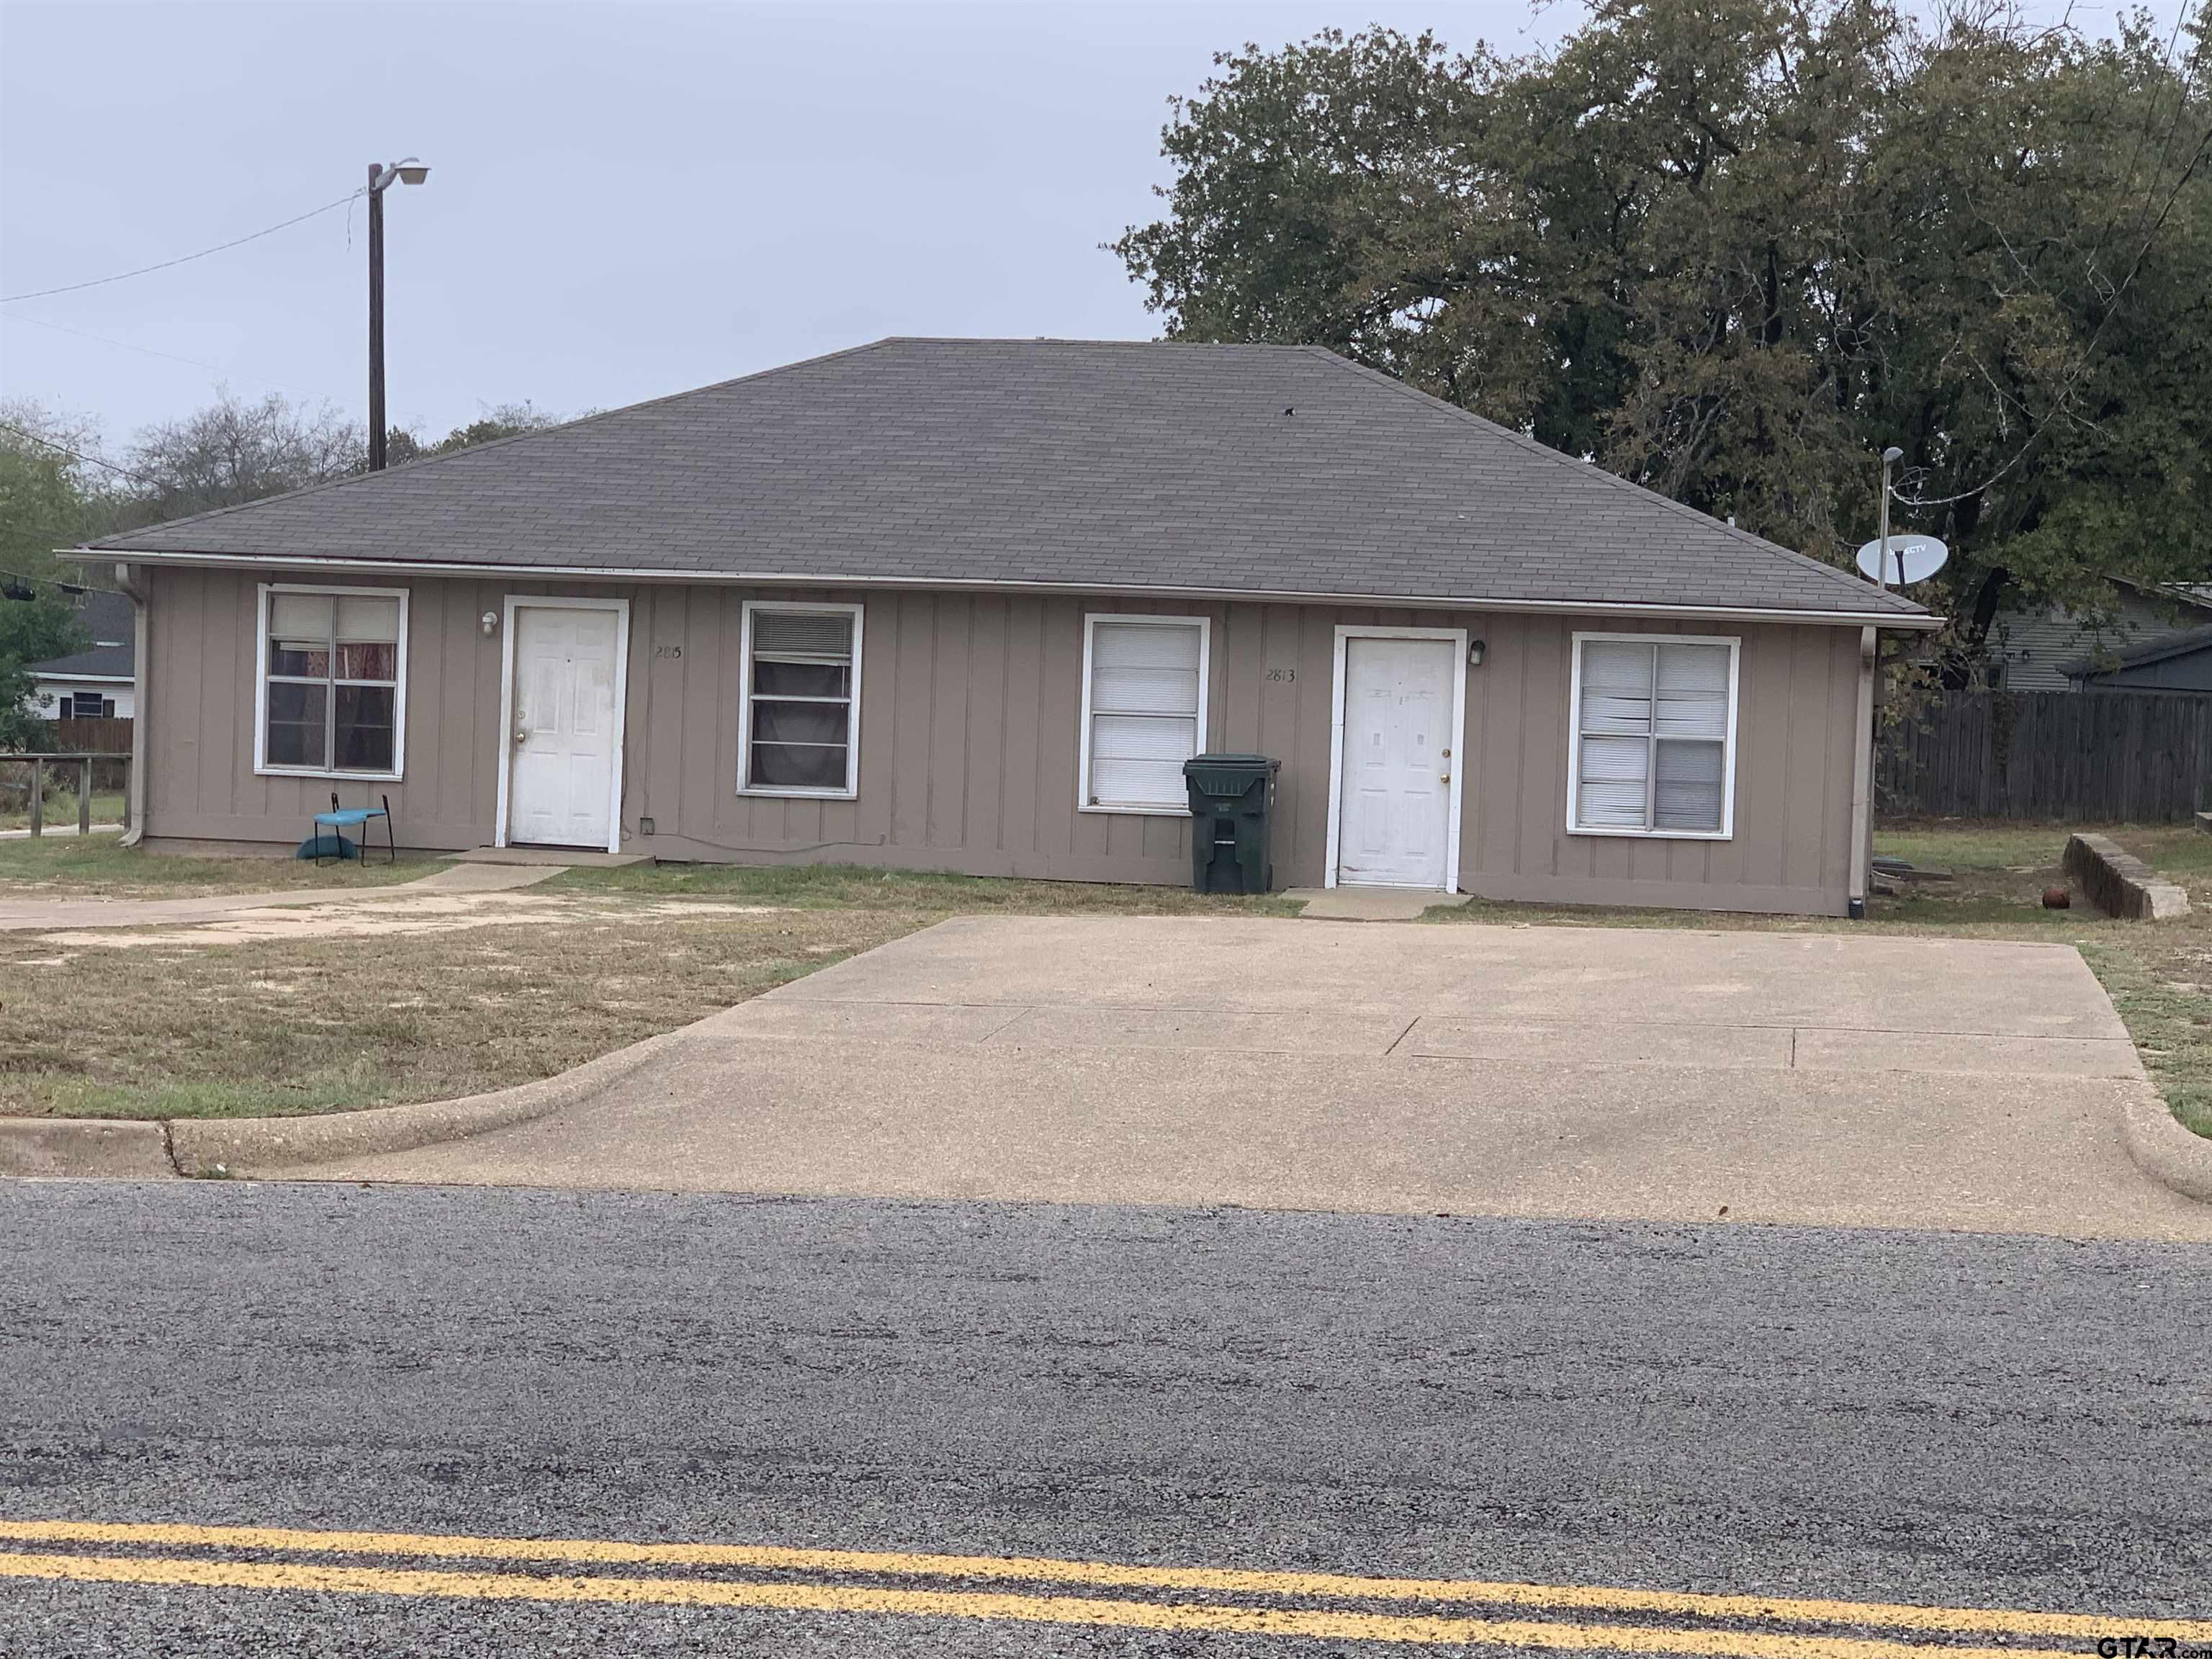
(562,857)
(57,915)
(1370,903)
(1645,1074)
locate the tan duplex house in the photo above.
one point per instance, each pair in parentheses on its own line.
(968,605)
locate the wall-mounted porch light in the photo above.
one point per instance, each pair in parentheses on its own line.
(1474,655)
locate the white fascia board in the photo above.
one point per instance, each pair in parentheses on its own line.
(1921,623)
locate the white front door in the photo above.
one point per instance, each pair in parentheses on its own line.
(1395,797)
(562,746)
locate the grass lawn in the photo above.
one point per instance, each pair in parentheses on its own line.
(61,809)
(2159,974)
(847,886)
(65,867)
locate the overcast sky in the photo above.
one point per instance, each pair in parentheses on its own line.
(626,199)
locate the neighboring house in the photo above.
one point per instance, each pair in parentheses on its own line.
(96,683)
(2174,662)
(2035,650)
(968,605)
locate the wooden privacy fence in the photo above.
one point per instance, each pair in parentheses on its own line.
(2085,757)
(99,736)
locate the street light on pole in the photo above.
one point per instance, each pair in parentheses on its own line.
(1890,458)
(409,171)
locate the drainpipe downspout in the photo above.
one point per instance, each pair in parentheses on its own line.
(132,582)
(1863,779)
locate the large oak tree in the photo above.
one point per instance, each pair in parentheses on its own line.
(1731,248)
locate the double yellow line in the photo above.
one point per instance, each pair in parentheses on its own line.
(1747,1624)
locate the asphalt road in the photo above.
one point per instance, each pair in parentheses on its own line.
(1877,1416)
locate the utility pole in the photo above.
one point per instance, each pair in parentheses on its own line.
(1890,458)
(1871,673)
(409,171)
(375,318)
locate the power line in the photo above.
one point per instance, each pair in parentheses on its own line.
(127,345)
(99,281)
(78,454)
(2150,120)
(56,582)
(2066,391)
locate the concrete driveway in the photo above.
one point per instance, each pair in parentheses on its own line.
(1513,1071)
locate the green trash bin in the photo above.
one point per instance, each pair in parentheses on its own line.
(1231,797)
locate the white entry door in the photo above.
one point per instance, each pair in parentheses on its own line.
(566,724)
(1394,798)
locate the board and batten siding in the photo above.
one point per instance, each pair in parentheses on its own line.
(197,726)
(969,732)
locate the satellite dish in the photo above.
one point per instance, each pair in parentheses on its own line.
(1912,559)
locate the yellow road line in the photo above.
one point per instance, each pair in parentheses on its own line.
(1110,1574)
(1419,1629)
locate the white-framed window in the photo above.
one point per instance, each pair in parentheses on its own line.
(798,717)
(330,681)
(1653,750)
(1144,711)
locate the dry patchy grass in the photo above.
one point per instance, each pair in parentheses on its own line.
(849,886)
(65,867)
(308,1025)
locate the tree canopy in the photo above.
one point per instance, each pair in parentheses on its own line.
(57,491)
(232,452)
(501,421)
(1733,248)
(47,500)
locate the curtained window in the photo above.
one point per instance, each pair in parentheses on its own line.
(330,680)
(800,720)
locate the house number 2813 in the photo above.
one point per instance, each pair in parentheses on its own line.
(1285,675)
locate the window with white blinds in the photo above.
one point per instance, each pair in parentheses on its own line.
(331,691)
(1144,711)
(799,720)
(1654,742)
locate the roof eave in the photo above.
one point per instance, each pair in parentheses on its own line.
(2146,656)
(1913,621)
